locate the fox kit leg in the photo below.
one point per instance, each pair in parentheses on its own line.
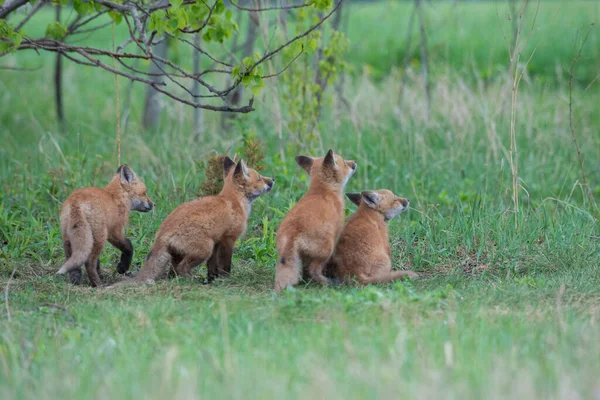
(126,248)
(190,259)
(219,263)
(316,271)
(212,265)
(175,260)
(98,268)
(225,255)
(92,265)
(186,265)
(75,274)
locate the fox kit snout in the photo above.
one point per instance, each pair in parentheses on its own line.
(206,229)
(91,216)
(363,250)
(308,233)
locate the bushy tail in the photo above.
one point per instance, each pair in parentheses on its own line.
(287,270)
(153,268)
(388,277)
(80,236)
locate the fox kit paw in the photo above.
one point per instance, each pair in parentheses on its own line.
(75,277)
(122,267)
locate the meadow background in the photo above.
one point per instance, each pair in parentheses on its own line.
(508,301)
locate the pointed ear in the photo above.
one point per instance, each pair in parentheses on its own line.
(330,159)
(240,170)
(127,175)
(305,163)
(354,197)
(228,163)
(371,198)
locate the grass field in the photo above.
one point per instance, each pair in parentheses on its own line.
(499,311)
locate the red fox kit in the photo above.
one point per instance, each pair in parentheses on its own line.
(307,235)
(91,216)
(206,229)
(363,251)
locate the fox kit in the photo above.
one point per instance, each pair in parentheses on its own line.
(91,216)
(307,235)
(206,229)
(363,251)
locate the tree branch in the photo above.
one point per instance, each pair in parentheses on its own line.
(310,3)
(10,6)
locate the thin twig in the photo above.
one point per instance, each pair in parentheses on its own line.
(270,54)
(21,69)
(286,67)
(34,10)
(310,3)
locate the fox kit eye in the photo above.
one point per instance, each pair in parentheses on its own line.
(260,179)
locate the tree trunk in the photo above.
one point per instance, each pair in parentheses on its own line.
(152,107)
(58,79)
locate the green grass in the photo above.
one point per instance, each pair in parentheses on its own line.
(500,311)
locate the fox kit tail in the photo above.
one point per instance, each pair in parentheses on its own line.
(287,271)
(153,268)
(388,277)
(79,235)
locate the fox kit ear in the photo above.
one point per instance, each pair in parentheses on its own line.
(354,197)
(127,175)
(241,170)
(305,163)
(371,198)
(330,159)
(228,163)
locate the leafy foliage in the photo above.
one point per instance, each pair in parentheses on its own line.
(9,38)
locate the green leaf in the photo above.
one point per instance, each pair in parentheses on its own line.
(172,24)
(248,62)
(56,30)
(256,90)
(116,16)
(247,80)
(175,4)
(219,8)
(17,39)
(81,7)
(235,71)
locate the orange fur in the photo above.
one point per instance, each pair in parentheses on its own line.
(91,216)
(363,251)
(206,229)
(306,237)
